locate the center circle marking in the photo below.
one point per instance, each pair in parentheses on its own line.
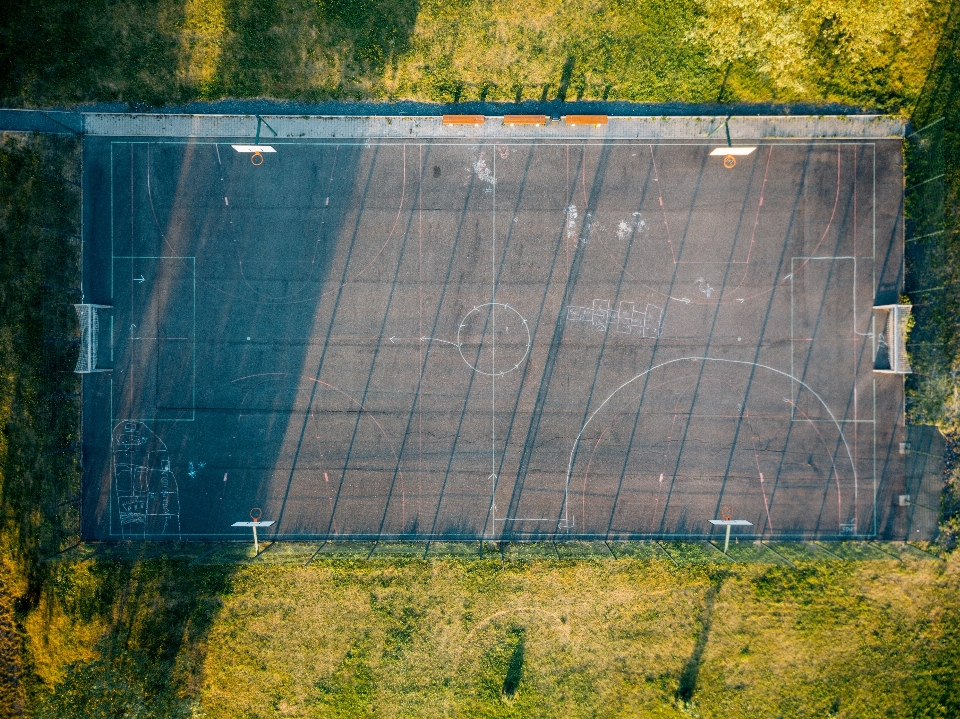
(479,319)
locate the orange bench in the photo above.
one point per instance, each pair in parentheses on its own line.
(524,119)
(463,119)
(586,120)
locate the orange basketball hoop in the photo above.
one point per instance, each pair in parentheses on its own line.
(255,514)
(256,159)
(729,162)
(726,511)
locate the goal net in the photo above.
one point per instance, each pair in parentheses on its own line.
(89,332)
(893,340)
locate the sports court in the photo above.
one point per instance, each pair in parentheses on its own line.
(492,337)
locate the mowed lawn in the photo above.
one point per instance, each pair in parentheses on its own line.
(347,636)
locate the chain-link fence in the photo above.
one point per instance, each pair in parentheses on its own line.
(926,182)
(677,553)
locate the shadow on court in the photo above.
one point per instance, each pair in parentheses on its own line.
(448,340)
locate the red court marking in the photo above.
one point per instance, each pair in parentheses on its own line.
(656,178)
(745,262)
(316,245)
(766,505)
(214,287)
(399,210)
(676,414)
(856,174)
(383,432)
(756,221)
(752,239)
(835,473)
(403,190)
(836,201)
(566,249)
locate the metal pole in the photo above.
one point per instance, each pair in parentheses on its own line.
(726,541)
(256,545)
(260,119)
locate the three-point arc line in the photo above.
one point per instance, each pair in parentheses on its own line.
(383,432)
(566,491)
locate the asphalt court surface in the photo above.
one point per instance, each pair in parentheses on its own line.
(446,339)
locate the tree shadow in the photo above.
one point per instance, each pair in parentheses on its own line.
(150,657)
(378,31)
(691,671)
(932,208)
(262,47)
(511,682)
(59,51)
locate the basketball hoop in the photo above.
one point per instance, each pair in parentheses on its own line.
(726,511)
(255,514)
(256,159)
(730,153)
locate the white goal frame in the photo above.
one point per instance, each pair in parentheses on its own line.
(89,332)
(896,337)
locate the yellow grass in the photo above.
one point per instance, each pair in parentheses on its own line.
(602,638)
(451,636)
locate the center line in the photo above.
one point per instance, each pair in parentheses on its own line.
(493,350)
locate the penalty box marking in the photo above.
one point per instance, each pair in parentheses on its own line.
(807,341)
(192,339)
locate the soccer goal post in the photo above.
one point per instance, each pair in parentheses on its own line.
(897,327)
(89,332)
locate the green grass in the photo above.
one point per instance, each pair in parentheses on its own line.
(39,262)
(663,630)
(39,473)
(167,51)
(933,260)
(400,636)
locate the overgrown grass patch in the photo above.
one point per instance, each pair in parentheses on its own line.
(664,630)
(121,638)
(401,636)
(161,52)
(39,410)
(933,260)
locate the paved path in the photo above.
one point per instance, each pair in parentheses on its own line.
(322,127)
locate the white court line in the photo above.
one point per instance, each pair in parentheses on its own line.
(493,352)
(806,260)
(573,450)
(193,383)
(528,519)
(874,457)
